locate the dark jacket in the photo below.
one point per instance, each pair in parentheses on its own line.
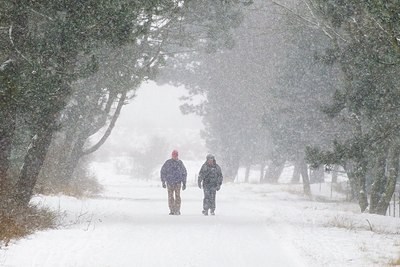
(173,172)
(210,175)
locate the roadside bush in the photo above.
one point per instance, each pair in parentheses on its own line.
(19,222)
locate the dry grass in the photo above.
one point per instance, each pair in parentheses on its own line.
(348,223)
(82,185)
(19,222)
(79,187)
(341,222)
(395,262)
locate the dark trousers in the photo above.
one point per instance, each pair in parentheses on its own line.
(209,198)
(174,197)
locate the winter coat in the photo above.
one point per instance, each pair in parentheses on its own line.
(173,172)
(210,175)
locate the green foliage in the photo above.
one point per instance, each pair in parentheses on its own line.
(339,155)
(64,62)
(365,36)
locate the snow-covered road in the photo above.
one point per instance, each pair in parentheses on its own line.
(256,225)
(129,226)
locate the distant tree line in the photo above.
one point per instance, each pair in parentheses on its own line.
(314,83)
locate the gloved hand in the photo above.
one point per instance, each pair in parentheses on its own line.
(199,183)
(183,186)
(218,187)
(164,185)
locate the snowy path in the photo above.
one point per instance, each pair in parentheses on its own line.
(129,226)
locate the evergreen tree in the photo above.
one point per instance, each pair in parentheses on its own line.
(364,34)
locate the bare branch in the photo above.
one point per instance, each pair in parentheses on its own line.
(16,49)
(323,26)
(41,14)
(121,102)
(295,14)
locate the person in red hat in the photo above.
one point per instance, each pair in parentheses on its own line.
(173,177)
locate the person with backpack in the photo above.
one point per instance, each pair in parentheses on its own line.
(173,176)
(210,179)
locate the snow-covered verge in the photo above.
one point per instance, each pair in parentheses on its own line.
(330,233)
(255,225)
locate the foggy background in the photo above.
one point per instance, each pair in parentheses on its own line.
(300,98)
(150,126)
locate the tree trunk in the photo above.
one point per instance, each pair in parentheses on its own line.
(360,166)
(262,166)
(378,185)
(32,164)
(7,129)
(306,180)
(359,175)
(335,171)
(110,127)
(393,173)
(230,167)
(317,175)
(349,169)
(9,77)
(72,161)
(296,171)
(247,174)
(72,148)
(274,170)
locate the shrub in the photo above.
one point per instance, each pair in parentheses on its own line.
(19,222)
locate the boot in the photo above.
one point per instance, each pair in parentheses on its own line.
(205,212)
(212,212)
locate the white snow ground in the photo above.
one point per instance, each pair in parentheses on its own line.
(255,225)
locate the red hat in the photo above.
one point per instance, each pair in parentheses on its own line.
(175,153)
